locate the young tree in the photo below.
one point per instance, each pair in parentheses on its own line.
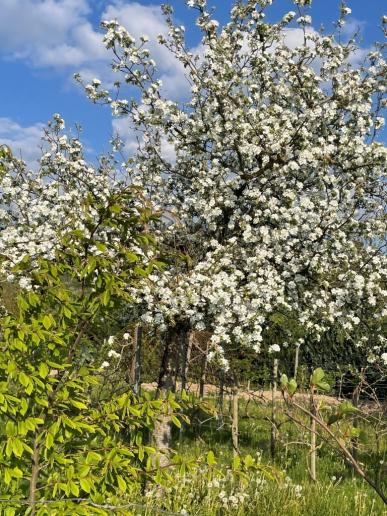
(61,440)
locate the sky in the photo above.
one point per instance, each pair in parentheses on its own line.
(44,42)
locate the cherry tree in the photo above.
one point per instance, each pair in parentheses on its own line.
(277,176)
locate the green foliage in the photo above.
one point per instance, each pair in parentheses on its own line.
(289,386)
(316,380)
(56,441)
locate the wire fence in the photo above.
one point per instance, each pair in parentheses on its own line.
(343,384)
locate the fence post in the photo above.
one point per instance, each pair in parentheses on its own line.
(273,435)
(235,419)
(313,438)
(136,361)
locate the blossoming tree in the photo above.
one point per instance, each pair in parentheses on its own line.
(277,175)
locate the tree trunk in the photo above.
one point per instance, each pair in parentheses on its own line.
(34,477)
(162,433)
(135,370)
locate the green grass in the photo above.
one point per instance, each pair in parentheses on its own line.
(337,491)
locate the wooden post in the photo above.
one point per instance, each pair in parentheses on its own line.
(296,360)
(313,438)
(203,371)
(187,342)
(273,436)
(355,401)
(235,419)
(136,361)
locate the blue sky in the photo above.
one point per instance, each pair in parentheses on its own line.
(44,42)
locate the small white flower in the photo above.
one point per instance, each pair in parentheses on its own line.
(104,365)
(113,354)
(110,340)
(25,283)
(126,336)
(274,348)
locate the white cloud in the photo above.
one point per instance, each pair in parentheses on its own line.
(58,34)
(294,37)
(45,32)
(25,142)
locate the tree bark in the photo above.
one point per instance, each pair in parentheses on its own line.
(162,433)
(34,477)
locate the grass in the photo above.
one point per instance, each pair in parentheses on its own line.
(337,491)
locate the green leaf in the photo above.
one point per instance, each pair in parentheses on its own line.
(211,458)
(7,476)
(323,386)
(10,429)
(248,461)
(346,408)
(93,457)
(115,208)
(317,375)
(49,440)
(74,489)
(85,484)
(17,473)
(24,379)
(131,257)
(100,246)
(8,448)
(17,447)
(43,370)
(284,382)
(78,404)
(121,483)
(84,471)
(47,322)
(176,421)
(106,297)
(236,462)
